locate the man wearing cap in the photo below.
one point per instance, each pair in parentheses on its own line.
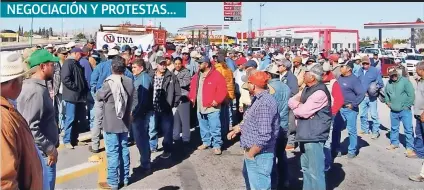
(371,82)
(353,95)
(399,65)
(166,96)
(259,132)
(208,89)
(305,57)
(281,92)
(337,101)
(312,107)
(334,62)
(299,72)
(375,61)
(98,76)
(35,105)
(357,65)
(227,105)
(265,60)
(49,48)
(399,97)
(21,162)
(177,53)
(75,89)
(62,54)
(231,59)
(245,99)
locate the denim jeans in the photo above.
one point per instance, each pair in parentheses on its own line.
(312,163)
(226,115)
(153,133)
(369,104)
(51,174)
(166,123)
(406,117)
(118,158)
(328,146)
(350,117)
(280,171)
(210,129)
(75,117)
(257,172)
(292,129)
(419,141)
(96,124)
(141,136)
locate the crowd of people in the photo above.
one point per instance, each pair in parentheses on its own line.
(276,101)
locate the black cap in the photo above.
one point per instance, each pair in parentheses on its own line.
(375,53)
(350,64)
(250,63)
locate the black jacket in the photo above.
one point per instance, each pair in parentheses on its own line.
(75,86)
(172,92)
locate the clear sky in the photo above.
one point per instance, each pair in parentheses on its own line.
(345,15)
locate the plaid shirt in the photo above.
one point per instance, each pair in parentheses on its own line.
(261,123)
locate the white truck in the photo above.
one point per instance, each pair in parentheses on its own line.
(370,52)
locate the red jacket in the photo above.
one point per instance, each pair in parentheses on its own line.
(214,88)
(336,93)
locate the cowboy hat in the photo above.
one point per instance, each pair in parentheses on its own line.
(12,66)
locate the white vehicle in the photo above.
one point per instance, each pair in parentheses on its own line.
(412,60)
(370,52)
(407,51)
(393,53)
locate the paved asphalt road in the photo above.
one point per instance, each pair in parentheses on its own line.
(374,168)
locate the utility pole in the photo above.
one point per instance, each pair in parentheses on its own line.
(260,22)
(31,31)
(249,33)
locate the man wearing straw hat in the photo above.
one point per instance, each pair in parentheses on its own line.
(21,166)
(36,106)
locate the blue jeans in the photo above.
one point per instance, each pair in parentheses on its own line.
(312,163)
(141,136)
(153,133)
(118,158)
(257,172)
(75,116)
(226,115)
(349,117)
(406,117)
(328,146)
(210,129)
(369,104)
(51,174)
(419,141)
(166,123)
(280,173)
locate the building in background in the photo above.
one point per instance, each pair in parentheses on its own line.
(9,36)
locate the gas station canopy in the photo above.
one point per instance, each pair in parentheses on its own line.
(203,28)
(394,25)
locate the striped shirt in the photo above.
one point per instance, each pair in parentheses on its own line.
(261,123)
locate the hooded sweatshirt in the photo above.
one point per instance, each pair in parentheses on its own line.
(400,94)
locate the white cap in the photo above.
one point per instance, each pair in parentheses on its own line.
(49,46)
(279,56)
(195,54)
(113,52)
(185,50)
(159,53)
(189,46)
(326,66)
(137,52)
(70,44)
(341,60)
(357,57)
(305,53)
(397,61)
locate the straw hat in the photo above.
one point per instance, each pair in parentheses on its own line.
(12,66)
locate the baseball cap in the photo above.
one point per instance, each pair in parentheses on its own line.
(392,71)
(76,50)
(62,50)
(349,64)
(185,50)
(305,53)
(113,52)
(105,47)
(284,62)
(326,66)
(41,56)
(138,52)
(365,59)
(357,57)
(258,78)
(160,60)
(250,63)
(203,59)
(334,57)
(273,69)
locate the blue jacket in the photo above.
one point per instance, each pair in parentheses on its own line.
(230,63)
(372,75)
(101,72)
(264,63)
(144,86)
(352,93)
(282,95)
(193,66)
(291,81)
(87,68)
(355,69)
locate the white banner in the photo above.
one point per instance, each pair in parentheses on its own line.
(112,39)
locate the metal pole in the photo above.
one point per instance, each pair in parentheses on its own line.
(260,24)
(31,32)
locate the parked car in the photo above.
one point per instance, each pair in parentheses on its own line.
(407,51)
(370,52)
(411,61)
(387,62)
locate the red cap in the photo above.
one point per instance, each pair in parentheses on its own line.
(241,61)
(259,78)
(334,57)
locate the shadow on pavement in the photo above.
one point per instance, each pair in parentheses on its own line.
(344,145)
(169,188)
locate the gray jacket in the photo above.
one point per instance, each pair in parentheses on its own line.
(36,106)
(184,79)
(110,122)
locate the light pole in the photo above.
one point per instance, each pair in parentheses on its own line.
(260,22)
(31,31)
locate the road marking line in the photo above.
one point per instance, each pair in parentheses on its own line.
(80,170)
